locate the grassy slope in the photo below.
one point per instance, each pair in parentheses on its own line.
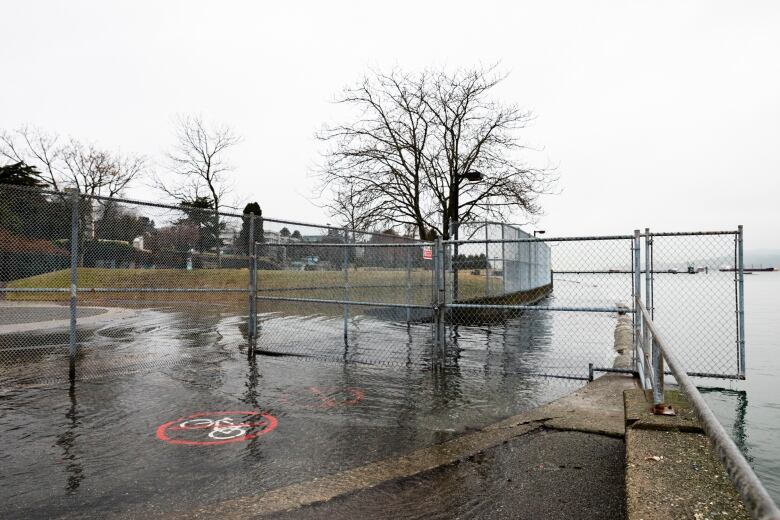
(312,284)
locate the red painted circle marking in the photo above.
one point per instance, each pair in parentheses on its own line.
(327,397)
(253,424)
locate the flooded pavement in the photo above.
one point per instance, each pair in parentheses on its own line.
(171,415)
(542,474)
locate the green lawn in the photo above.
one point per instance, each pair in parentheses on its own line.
(386,286)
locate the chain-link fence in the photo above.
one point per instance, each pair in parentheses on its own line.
(102,285)
(692,290)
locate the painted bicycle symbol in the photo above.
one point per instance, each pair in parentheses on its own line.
(214,428)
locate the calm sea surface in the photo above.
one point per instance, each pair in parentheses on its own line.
(751,408)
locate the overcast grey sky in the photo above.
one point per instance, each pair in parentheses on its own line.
(663,114)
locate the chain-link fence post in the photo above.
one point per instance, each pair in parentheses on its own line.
(503,262)
(439,267)
(252,318)
(487,260)
(741,301)
(75,200)
(657,357)
(636,293)
(346,286)
(408,293)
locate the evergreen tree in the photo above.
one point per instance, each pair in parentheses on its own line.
(243,236)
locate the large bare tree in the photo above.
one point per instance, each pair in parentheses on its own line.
(414,143)
(199,167)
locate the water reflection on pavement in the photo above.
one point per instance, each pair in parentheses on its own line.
(95,447)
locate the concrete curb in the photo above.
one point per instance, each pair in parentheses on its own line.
(672,471)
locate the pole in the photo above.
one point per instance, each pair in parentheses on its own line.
(741,303)
(503,262)
(74,263)
(408,297)
(657,358)
(346,286)
(440,303)
(636,293)
(252,318)
(455,232)
(487,261)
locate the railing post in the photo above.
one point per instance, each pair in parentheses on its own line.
(741,301)
(74,262)
(252,317)
(346,286)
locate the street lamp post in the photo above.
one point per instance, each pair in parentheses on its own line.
(471,176)
(539,232)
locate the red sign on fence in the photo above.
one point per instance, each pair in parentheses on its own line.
(427,253)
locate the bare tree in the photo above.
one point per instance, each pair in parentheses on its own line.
(417,137)
(199,165)
(350,206)
(71,164)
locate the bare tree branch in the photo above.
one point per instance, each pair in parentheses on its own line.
(403,161)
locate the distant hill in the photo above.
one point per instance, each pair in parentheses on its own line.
(762,257)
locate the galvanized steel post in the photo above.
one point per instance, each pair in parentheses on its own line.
(407,295)
(741,301)
(252,317)
(503,262)
(346,286)
(657,357)
(74,263)
(487,260)
(440,304)
(637,293)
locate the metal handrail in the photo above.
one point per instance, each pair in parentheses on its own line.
(747,483)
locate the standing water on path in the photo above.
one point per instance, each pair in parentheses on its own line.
(202,423)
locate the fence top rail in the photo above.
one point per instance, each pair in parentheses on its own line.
(342,244)
(538,239)
(743,477)
(176,207)
(689,233)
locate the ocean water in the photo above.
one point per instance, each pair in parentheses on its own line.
(751,408)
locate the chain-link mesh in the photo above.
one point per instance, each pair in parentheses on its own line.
(160,284)
(140,267)
(558,320)
(694,296)
(348,295)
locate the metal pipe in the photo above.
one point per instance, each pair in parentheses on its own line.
(356,244)
(440,300)
(539,308)
(252,319)
(692,233)
(657,358)
(537,239)
(636,290)
(408,295)
(346,286)
(741,303)
(487,262)
(74,263)
(342,302)
(753,493)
